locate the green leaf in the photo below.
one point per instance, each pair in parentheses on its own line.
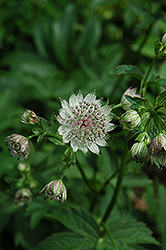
(128,233)
(69,157)
(46,125)
(158,80)
(55,141)
(161,100)
(41,38)
(138,102)
(89,38)
(62,37)
(67,241)
(76,219)
(127,70)
(134,180)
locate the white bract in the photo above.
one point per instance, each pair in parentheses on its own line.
(85,122)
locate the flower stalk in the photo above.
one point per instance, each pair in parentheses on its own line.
(118,185)
(144,82)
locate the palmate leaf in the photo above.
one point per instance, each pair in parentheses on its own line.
(126,231)
(137,102)
(161,100)
(67,241)
(76,219)
(127,70)
(129,233)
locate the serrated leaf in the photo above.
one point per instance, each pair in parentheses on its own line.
(128,233)
(137,102)
(127,70)
(78,220)
(46,125)
(67,241)
(158,81)
(161,100)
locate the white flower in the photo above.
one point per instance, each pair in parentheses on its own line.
(85,122)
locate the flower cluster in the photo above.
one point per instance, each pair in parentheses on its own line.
(18,146)
(55,190)
(85,122)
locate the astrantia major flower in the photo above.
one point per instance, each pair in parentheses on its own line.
(129,92)
(157,150)
(22,196)
(55,190)
(18,146)
(29,117)
(85,122)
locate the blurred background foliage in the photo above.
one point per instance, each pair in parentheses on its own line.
(48,49)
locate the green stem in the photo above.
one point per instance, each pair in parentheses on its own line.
(84,176)
(111,237)
(56,136)
(118,185)
(119,105)
(144,82)
(100,190)
(31,136)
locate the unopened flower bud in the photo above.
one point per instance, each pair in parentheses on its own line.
(129,92)
(157,150)
(139,152)
(29,117)
(22,196)
(23,167)
(130,119)
(160,46)
(18,146)
(163,40)
(143,137)
(55,190)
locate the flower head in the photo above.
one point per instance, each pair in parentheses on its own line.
(85,122)
(22,196)
(130,92)
(130,119)
(139,152)
(163,40)
(18,146)
(29,117)
(55,190)
(157,150)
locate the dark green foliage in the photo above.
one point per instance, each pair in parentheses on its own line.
(48,49)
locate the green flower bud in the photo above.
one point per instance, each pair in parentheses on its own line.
(29,117)
(22,196)
(130,119)
(55,190)
(157,150)
(18,146)
(130,92)
(160,46)
(139,152)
